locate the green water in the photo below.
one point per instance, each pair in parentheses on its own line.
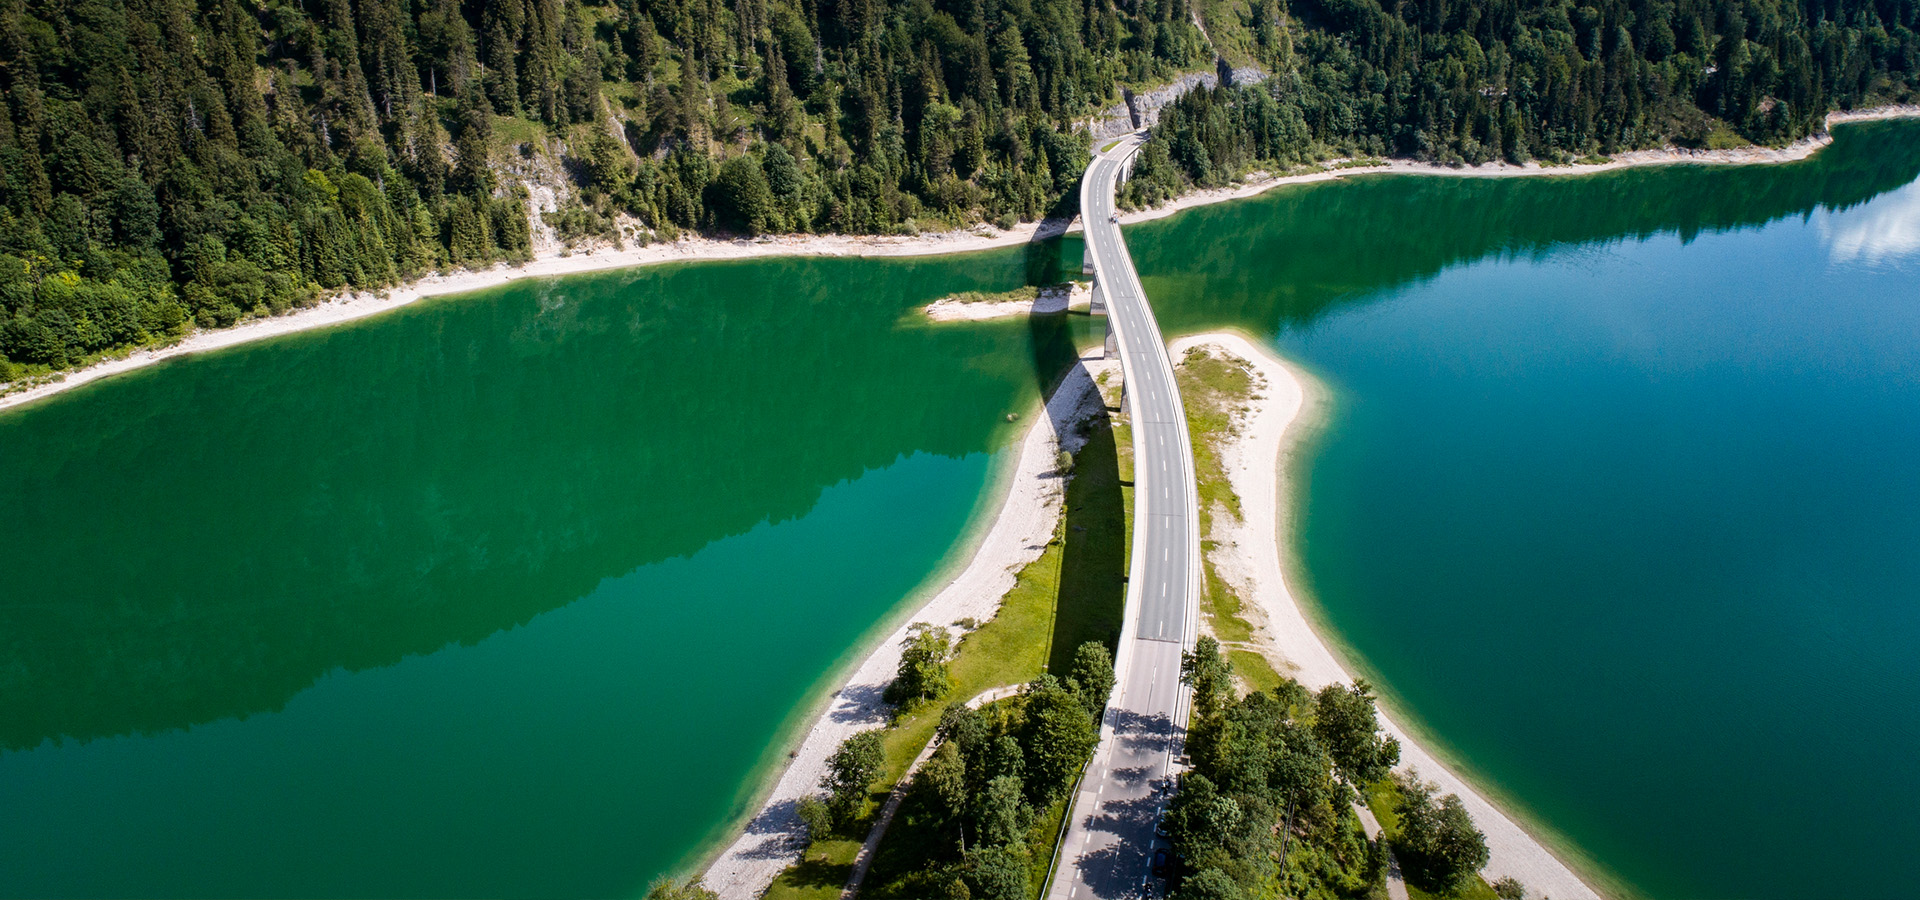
(1617,493)
(500,595)
(513,594)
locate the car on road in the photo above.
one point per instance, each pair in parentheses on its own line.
(1159,863)
(1160,828)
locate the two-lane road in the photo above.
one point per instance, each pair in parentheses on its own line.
(1109,845)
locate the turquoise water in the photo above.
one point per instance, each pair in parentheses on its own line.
(1628,520)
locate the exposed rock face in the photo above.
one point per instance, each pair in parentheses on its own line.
(1142,110)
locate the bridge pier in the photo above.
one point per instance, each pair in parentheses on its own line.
(1097,306)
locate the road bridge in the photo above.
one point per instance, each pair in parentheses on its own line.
(1108,848)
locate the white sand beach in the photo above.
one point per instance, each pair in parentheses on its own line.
(1047,301)
(349,306)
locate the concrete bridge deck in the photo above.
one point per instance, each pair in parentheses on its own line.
(1109,844)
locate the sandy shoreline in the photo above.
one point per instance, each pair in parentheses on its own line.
(773,838)
(357,305)
(1259,183)
(354,305)
(1259,464)
(1025,521)
(1047,301)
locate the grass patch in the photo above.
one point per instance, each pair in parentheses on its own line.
(1230,26)
(1223,605)
(1216,388)
(819,875)
(1723,137)
(1594,159)
(512,131)
(1254,669)
(1111,144)
(1024,294)
(1046,827)
(1475,889)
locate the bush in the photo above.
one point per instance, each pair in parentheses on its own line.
(1092,677)
(849,770)
(923,667)
(997,873)
(815,817)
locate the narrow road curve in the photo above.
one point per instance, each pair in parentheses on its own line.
(1108,850)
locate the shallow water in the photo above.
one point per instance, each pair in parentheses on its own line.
(1617,493)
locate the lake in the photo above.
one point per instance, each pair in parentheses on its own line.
(513,594)
(522,593)
(1617,493)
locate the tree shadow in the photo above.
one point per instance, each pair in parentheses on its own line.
(815,872)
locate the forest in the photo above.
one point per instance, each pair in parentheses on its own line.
(1466,83)
(171,164)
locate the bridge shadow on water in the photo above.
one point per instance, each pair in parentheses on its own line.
(1093,535)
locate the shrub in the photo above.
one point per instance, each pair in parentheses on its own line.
(923,667)
(815,817)
(849,770)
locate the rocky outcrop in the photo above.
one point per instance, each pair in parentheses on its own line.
(1142,109)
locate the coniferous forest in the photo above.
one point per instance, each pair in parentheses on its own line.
(174,163)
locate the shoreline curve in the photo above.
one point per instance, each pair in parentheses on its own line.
(354,305)
(1256,555)
(770,838)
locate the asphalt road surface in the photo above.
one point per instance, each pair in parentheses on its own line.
(1109,846)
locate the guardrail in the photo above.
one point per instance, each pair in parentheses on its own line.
(1066,819)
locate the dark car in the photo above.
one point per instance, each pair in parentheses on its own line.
(1159,863)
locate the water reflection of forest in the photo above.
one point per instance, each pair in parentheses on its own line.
(206,538)
(1287,257)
